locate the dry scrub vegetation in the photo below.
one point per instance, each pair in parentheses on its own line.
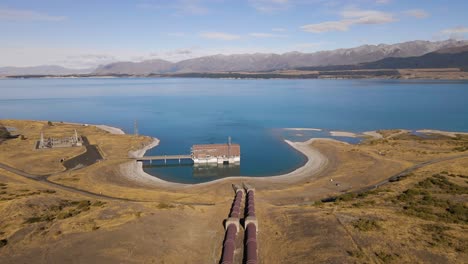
(32,209)
(419,218)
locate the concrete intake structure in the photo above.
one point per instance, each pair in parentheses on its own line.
(204,154)
(216,153)
(251,230)
(232,227)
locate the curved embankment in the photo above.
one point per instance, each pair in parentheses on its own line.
(112,130)
(316,162)
(440,132)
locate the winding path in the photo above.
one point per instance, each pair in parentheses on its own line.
(91,156)
(44,179)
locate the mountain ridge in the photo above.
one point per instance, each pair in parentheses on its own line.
(289,60)
(42,70)
(454,57)
(253,62)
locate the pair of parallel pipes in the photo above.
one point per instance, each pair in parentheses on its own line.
(232,226)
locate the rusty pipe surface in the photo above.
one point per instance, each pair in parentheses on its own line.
(251,231)
(251,203)
(251,244)
(236,205)
(229,245)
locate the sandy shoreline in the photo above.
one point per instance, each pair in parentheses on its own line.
(133,170)
(342,134)
(141,152)
(373,134)
(112,130)
(302,129)
(440,132)
(315,163)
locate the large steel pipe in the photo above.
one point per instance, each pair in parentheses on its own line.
(236,205)
(251,244)
(232,226)
(251,203)
(251,250)
(229,245)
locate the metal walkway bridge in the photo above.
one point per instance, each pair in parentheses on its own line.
(164,157)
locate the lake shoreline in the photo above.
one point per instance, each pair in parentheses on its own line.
(314,164)
(376,74)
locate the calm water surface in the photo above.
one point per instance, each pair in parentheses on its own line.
(183,112)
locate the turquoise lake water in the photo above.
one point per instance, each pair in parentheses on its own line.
(183,112)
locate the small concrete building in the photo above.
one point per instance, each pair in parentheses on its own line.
(216,153)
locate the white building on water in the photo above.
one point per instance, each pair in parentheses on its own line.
(216,153)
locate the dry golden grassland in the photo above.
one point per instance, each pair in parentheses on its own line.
(30,208)
(41,224)
(421,218)
(21,154)
(49,224)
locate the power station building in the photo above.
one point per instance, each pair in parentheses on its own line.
(64,142)
(216,153)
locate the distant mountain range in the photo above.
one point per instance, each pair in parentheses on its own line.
(455,57)
(41,70)
(267,62)
(402,55)
(135,68)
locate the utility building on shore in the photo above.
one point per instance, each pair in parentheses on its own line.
(64,142)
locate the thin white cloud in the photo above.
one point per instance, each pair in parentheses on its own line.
(22,55)
(358,16)
(180,7)
(196,52)
(382,2)
(457,33)
(150,6)
(176,34)
(278,29)
(192,7)
(219,36)
(417,13)
(86,60)
(266,35)
(456,30)
(308,47)
(351,17)
(170,55)
(33,54)
(270,6)
(11,14)
(342,25)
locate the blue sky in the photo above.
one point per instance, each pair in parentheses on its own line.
(86,33)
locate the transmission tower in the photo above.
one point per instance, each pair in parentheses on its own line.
(135,128)
(41,144)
